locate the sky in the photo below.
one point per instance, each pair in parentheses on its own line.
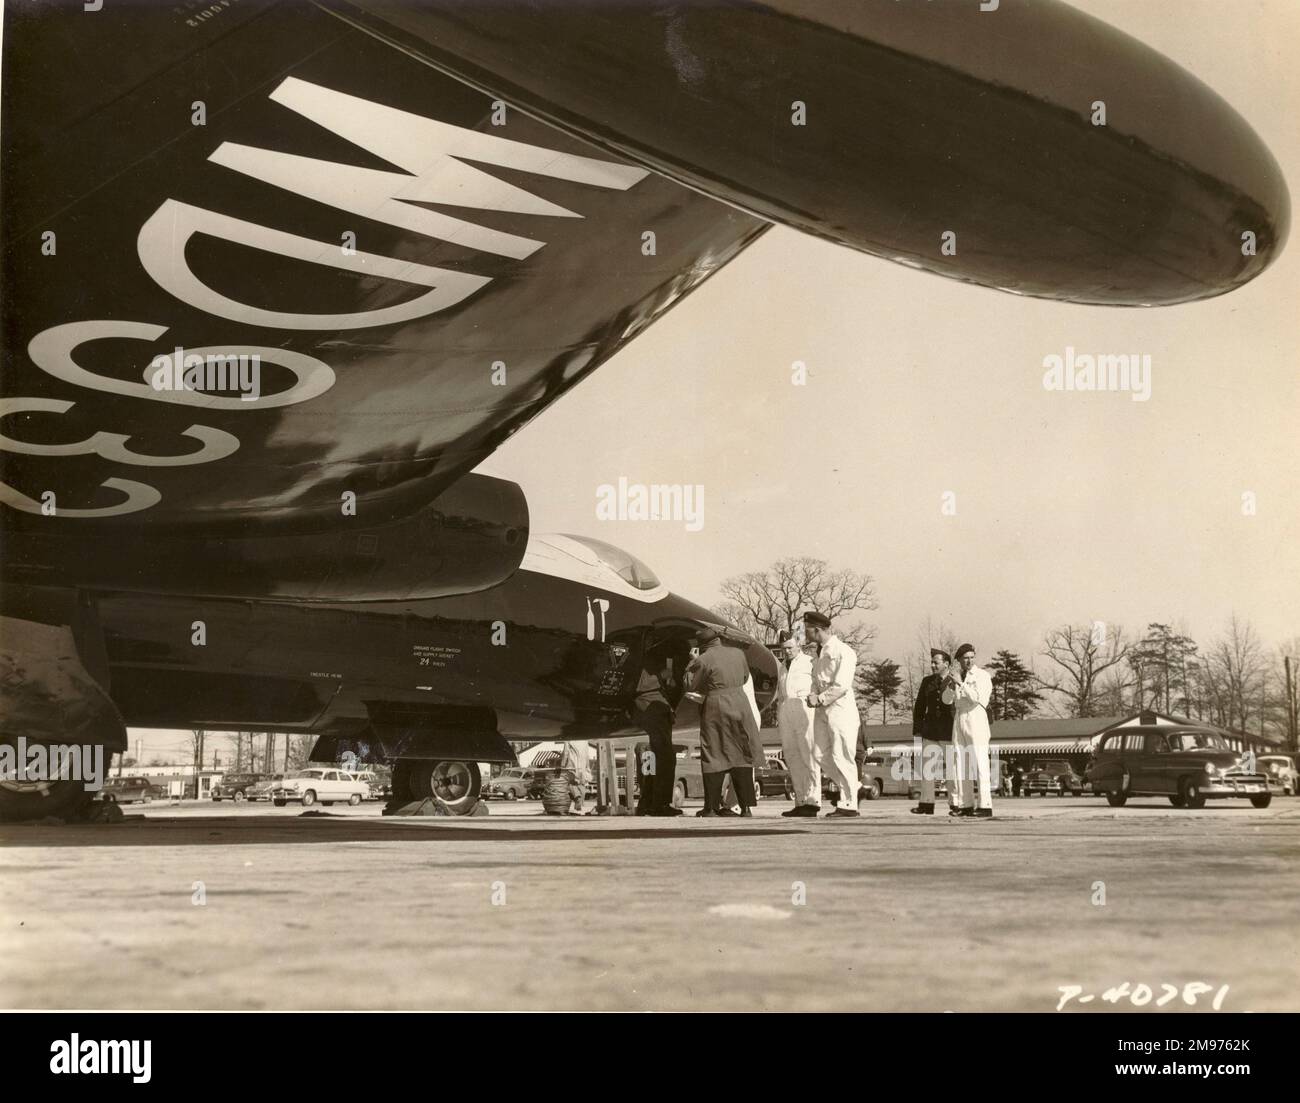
(1070,507)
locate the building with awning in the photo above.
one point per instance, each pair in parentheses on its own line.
(1071,738)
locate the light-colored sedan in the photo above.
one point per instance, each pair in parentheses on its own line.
(1280,772)
(319,784)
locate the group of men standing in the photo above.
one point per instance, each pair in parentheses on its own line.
(817,714)
(951,718)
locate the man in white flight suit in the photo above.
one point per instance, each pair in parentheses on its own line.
(795,720)
(969,691)
(835,719)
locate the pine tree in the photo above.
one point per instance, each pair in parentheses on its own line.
(1014,696)
(880,681)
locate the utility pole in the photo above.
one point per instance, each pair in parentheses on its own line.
(1293,735)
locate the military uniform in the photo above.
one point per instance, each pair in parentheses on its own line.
(932,723)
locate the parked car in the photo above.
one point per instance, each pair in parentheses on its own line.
(235,786)
(261,790)
(510,784)
(375,788)
(539,781)
(1188,765)
(127,790)
(1283,777)
(772,779)
(1052,776)
(319,784)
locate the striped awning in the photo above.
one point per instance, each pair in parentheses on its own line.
(1080,745)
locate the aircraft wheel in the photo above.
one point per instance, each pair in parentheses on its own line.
(34,800)
(456,784)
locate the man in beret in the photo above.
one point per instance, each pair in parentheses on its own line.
(932,725)
(795,720)
(835,711)
(969,691)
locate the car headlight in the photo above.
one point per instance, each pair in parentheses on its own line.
(1211,769)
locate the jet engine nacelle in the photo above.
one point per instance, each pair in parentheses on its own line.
(471,537)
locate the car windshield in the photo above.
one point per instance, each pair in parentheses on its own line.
(1192,741)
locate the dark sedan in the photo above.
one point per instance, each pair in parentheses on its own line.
(772,779)
(1054,776)
(1188,765)
(128,790)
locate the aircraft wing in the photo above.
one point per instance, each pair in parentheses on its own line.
(1064,158)
(418,270)
(424,221)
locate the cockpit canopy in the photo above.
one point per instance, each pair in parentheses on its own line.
(624,564)
(593,562)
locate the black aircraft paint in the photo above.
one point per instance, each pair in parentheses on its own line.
(416,282)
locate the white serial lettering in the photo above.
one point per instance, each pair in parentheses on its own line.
(429,150)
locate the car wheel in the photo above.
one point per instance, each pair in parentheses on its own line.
(1262,801)
(1191,793)
(1177,800)
(216,800)
(679,794)
(240,796)
(511,794)
(309,798)
(279,803)
(875,790)
(354,799)
(1116,800)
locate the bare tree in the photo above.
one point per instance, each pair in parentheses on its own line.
(767,603)
(1236,674)
(1287,678)
(916,663)
(1081,654)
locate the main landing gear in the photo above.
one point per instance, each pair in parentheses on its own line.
(454,785)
